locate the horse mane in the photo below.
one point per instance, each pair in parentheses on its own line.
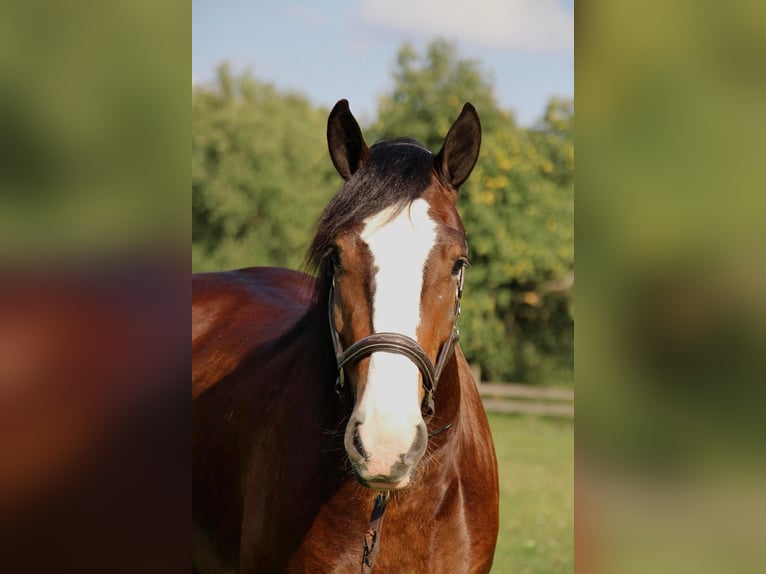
(397,172)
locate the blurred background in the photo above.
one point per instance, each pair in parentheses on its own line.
(264,77)
(672,277)
(94,304)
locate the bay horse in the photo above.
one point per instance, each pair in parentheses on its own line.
(319,402)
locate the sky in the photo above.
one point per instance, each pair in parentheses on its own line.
(333,49)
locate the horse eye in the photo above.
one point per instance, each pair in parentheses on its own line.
(459,264)
(334,256)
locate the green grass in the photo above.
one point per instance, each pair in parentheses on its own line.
(536,460)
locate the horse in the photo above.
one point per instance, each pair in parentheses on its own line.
(324,403)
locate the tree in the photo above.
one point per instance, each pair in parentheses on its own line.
(518,209)
(430,91)
(260,173)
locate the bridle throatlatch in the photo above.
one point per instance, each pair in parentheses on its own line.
(399,344)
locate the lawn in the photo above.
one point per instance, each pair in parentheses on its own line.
(536,459)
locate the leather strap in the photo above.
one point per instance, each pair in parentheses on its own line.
(372,536)
(399,344)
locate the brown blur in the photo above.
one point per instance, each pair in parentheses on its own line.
(672,276)
(94,427)
(94,294)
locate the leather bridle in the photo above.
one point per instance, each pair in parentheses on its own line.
(399,344)
(430,374)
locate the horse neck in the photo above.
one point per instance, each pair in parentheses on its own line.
(310,350)
(302,374)
(449,409)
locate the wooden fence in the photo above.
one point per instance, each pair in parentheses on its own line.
(517,398)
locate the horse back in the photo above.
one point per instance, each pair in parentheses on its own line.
(235,312)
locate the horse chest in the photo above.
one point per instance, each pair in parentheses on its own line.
(424,534)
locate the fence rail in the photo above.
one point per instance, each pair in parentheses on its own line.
(517,398)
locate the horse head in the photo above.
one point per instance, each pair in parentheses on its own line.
(391,249)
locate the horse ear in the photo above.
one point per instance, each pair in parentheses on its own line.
(461,147)
(344,138)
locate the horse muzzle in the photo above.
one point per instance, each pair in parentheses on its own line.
(383,464)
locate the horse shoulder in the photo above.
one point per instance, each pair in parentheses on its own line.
(480,486)
(468,504)
(235,312)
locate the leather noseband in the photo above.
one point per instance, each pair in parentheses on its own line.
(398,344)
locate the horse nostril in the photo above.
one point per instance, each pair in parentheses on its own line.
(358,444)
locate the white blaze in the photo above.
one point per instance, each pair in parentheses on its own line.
(390,406)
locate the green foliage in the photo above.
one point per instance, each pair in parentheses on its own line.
(261,175)
(518,208)
(430,91)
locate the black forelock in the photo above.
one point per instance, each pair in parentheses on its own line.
(396,173)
